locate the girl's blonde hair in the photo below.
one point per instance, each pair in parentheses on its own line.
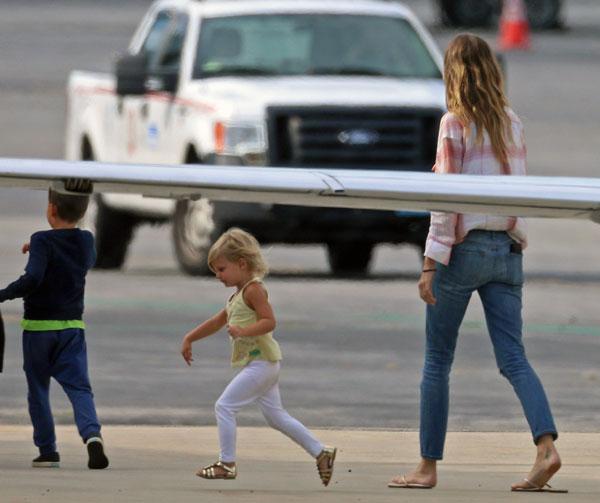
(475,91)
(236,244)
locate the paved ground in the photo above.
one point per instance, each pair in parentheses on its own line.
(341,338)
(353,346)
(157,464)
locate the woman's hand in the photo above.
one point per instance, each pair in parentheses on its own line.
(235,331)
(426,287)
(186,351)
(25,248)
(426,280)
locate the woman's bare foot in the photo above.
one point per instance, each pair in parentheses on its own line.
(547,463)
(425,476)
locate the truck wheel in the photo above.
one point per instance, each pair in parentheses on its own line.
(469,13)
(349,258)
(113,230)
(194,231)
(543,14)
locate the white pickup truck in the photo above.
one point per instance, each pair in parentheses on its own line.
(316,83)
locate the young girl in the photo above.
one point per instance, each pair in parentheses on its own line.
(465,253)
(237,262)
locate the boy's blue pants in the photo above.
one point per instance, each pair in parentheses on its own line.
(60,354)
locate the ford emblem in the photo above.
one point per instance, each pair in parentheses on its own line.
(358,137)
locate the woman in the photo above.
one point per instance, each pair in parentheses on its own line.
(480,135)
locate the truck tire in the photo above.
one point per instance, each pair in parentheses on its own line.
(194,232)
(113,230)
(468,13)
(349,258)
(543,14)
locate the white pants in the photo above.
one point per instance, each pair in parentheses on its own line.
(258,382)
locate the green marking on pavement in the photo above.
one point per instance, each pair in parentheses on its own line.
(473,325)
(564,329)
(393,317)
(153,304)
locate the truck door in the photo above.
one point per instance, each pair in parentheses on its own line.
(139,131)
(164,114)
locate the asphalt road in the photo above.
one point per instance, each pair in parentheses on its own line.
(352,348)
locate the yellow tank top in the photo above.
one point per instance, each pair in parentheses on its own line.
(246,349)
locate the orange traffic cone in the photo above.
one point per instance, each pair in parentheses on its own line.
(514,26)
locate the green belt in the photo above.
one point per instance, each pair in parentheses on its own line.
(45,325)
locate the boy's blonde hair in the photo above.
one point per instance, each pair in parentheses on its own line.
(236,244)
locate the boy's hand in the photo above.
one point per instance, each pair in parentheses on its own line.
(235,331)
(186,351)
(25,248)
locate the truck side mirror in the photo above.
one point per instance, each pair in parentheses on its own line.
(163,81)
(131,74)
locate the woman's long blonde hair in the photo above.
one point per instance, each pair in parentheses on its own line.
(475,91)
(235,244)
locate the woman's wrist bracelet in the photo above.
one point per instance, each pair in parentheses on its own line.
(428,270)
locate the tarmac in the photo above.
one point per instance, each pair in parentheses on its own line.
(158,464)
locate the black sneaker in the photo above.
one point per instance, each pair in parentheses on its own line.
(97,459)
(51,460)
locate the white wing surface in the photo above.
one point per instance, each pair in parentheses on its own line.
(553,197)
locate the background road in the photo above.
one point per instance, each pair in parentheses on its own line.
(352,347)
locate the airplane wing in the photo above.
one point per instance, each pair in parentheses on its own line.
(531,196)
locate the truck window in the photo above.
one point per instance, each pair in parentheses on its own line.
(153,42)
(169,55)
(300,44)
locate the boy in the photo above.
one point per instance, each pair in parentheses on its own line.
(53,331)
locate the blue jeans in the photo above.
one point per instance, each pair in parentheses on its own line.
(60,354)
(483,262)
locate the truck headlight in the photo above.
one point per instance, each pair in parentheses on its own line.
(239,139)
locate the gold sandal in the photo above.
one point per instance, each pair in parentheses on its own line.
(535,488)
(211,472)
(325,474)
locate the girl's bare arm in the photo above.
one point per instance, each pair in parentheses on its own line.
(209,327)
(255,296)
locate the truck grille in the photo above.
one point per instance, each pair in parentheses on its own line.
(365,138)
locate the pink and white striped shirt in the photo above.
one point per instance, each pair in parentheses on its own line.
(457,152)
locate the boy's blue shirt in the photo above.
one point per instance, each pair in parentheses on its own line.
(54,281)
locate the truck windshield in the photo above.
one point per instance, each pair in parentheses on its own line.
(300,44)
